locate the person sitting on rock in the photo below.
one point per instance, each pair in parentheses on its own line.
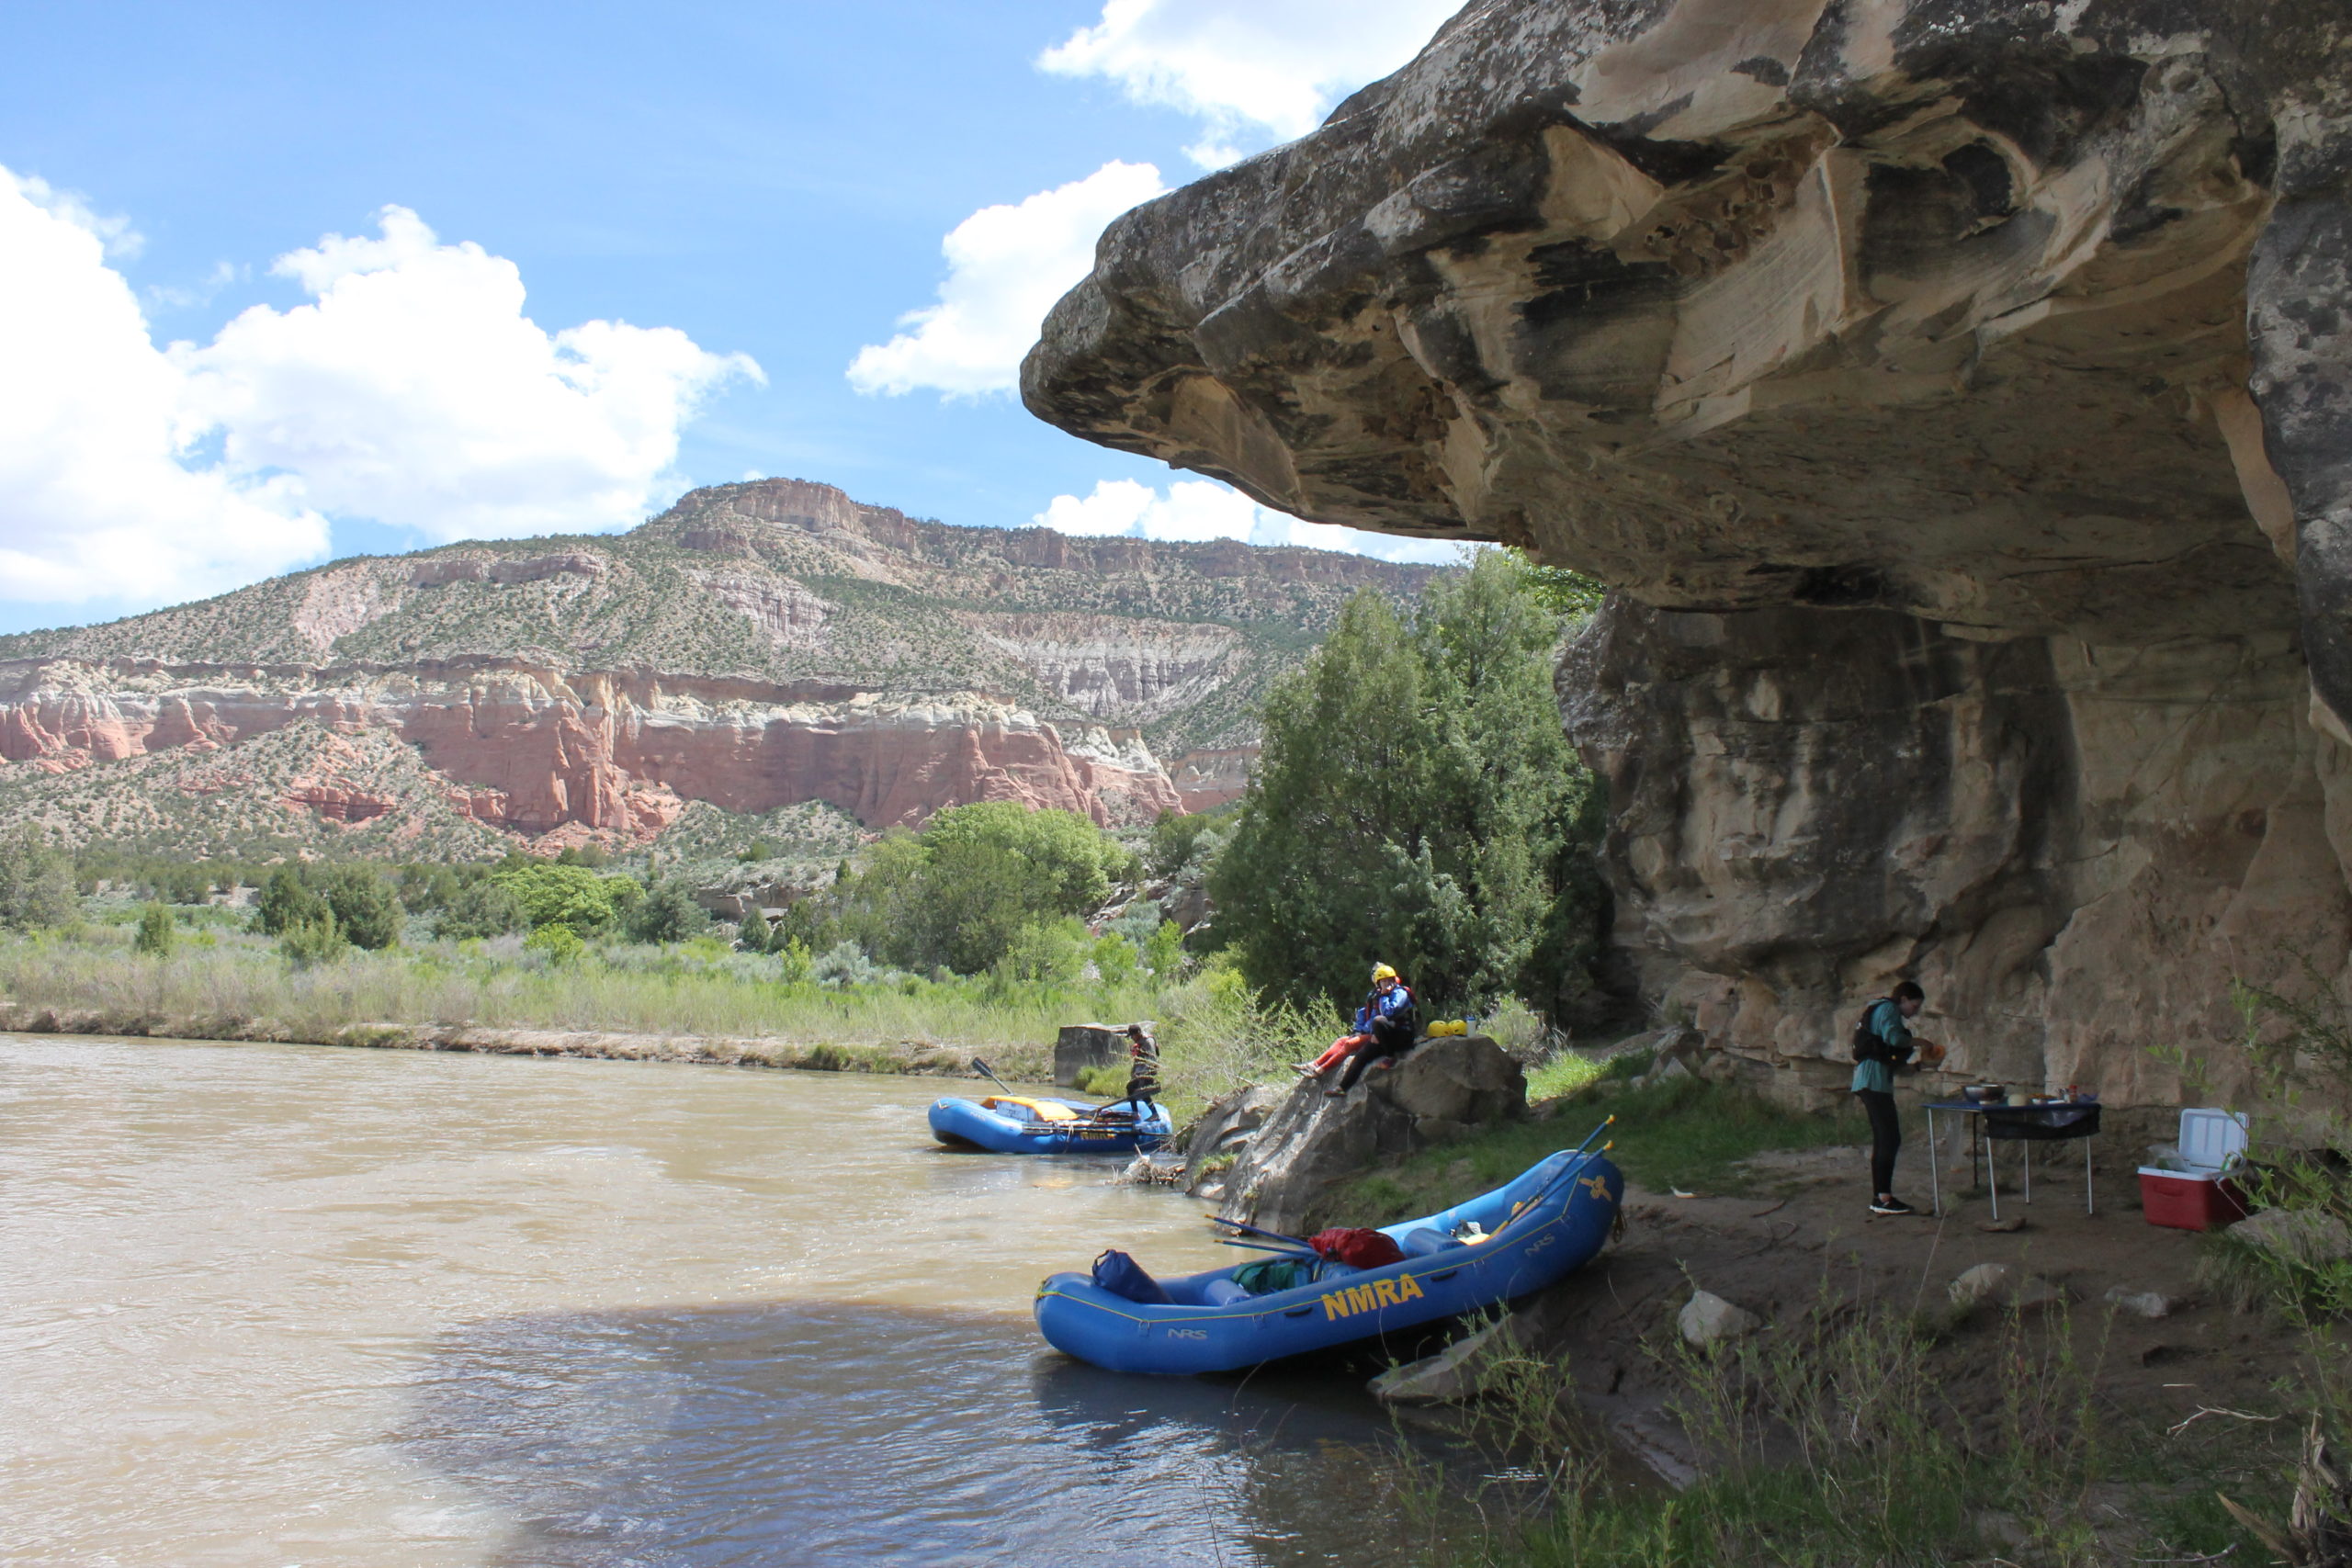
(1339,1050)
(1882,1042)
(1389,1020)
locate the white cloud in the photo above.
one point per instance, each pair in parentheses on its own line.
(122,241)
(1006,265)
(93,500)
(415,391)
(1203,509)
(1252,71)
(412,390)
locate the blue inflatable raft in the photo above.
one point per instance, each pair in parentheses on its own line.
(1024,1124)
(1542,1226)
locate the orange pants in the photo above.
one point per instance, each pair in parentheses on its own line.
(1341,1049)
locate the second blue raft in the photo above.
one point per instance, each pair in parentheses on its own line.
(1025,1124)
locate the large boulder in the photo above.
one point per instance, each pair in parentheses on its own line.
(1080,1046)
(2304,1238)
(1459,1372)
(1314,1143)
(1214,1143)
(1957,392)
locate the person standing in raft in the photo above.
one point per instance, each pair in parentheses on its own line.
(1143,1073)
(1883,1043)
(1389,1021)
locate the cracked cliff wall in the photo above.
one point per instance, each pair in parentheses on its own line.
(1958,393)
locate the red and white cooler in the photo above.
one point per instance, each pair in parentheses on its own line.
(2203,1196)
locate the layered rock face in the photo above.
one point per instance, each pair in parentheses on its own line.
(758,646)
(1958,395)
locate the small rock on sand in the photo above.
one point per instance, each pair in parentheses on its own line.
(1707,1317)
(2000,1283)
(2140,1303)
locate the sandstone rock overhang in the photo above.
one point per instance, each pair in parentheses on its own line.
(1958,392)
(1936,307)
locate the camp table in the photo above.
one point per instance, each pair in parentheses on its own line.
(2026,1125)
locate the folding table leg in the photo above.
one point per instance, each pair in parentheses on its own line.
(1992,1174)
(1935,1158)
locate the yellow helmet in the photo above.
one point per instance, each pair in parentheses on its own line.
(1381,971)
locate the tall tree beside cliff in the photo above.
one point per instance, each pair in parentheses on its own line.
(1416,803)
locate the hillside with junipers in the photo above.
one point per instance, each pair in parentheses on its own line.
(755,647)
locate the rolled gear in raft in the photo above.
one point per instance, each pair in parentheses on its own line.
(1026,1124)
(1539,1228)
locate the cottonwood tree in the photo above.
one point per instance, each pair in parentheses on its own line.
(962,892)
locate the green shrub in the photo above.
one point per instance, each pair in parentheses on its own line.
(425,888)
(156,933)
(287,901)
(1044,954)
(666,912)
(553,893)
(957,895)
(559,941)
(1173,838)
(1114,960)
(366,910)
(482,908)
(311,940)
(1163,952)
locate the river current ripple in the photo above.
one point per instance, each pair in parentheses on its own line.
(295,1305)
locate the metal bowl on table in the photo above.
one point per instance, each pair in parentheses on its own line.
(1982,1093)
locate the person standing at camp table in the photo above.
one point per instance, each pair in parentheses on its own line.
(1390,1017)
(1883,1043)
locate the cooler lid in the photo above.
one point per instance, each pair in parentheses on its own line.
(2211,1135)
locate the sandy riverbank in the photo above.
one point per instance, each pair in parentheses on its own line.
(915,1056)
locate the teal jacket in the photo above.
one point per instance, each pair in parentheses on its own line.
(1886,1020)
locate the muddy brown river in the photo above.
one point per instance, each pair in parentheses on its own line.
(288,1306)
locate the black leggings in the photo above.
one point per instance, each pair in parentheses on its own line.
(1886,1138)
(1389,1038)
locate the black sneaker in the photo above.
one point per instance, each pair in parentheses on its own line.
(1891,1206)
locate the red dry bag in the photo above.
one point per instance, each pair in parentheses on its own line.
(1357,1248)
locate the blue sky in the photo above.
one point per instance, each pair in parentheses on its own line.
(759,193)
